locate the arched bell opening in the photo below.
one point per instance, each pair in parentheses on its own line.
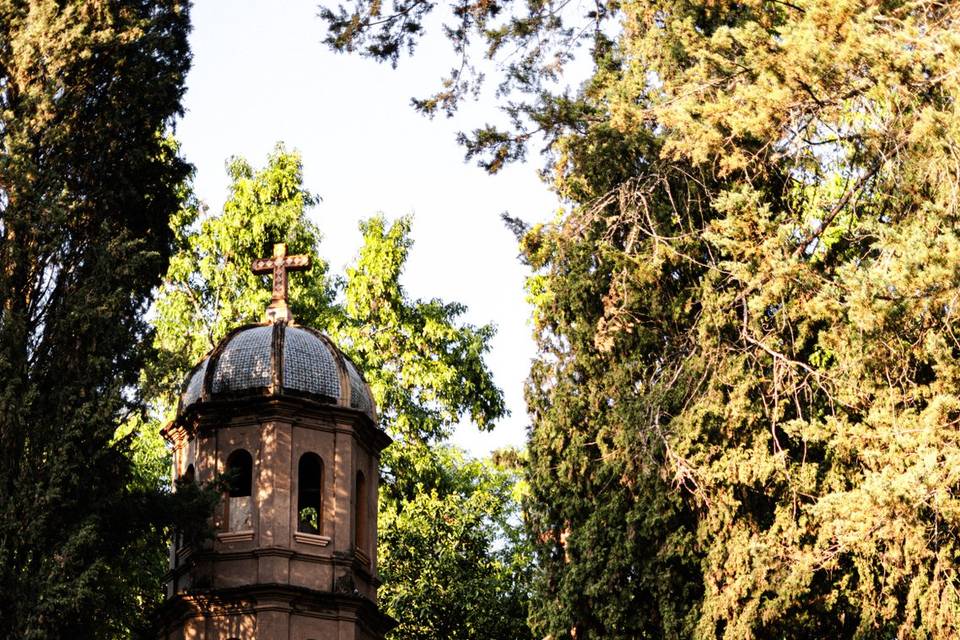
(360,514)
(310,494)
(239,475)
(188,477)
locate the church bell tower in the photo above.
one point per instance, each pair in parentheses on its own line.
(287,419)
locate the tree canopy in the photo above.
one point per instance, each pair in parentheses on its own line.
(426,370)
(744,412)
(87,184)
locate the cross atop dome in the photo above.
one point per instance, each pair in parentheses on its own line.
(278,265)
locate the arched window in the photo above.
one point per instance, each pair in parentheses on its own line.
(186,478)
(240,473)
(310,494)
(360,529)
(240,479)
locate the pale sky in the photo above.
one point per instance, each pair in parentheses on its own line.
(261,75)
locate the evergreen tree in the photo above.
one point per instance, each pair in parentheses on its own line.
(745,406)
(87,185)
(425,369)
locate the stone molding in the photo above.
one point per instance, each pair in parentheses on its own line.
(312,538)
(302,412)
(236,536)
(236,601)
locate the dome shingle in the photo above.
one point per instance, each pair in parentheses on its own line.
(277,359)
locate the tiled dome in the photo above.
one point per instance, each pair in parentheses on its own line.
(277,359)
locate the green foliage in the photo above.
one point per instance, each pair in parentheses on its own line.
(749,331)
(452,555)
(746,402)
(425,370)
(310,517)
(209,287)
(87,185)
(424,366)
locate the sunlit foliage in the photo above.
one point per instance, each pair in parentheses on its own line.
(745,406)
(424,366)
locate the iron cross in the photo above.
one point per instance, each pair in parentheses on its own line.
(278,265)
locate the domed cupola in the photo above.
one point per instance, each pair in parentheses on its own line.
(277,359)
(283,423)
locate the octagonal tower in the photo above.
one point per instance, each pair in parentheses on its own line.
(288,419)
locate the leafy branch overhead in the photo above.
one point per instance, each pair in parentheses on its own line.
(531,44)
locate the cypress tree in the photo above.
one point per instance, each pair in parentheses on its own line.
(87,185)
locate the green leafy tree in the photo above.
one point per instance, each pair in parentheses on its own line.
(424,366)
(745,405)
(426,371)
(87,186)
(453,559)
(209,288)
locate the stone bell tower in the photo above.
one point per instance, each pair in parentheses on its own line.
(287,418)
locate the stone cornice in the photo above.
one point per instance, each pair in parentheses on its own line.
(192,557)
(301,411)
(275,597)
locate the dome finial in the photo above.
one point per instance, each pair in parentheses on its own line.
(278,265)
